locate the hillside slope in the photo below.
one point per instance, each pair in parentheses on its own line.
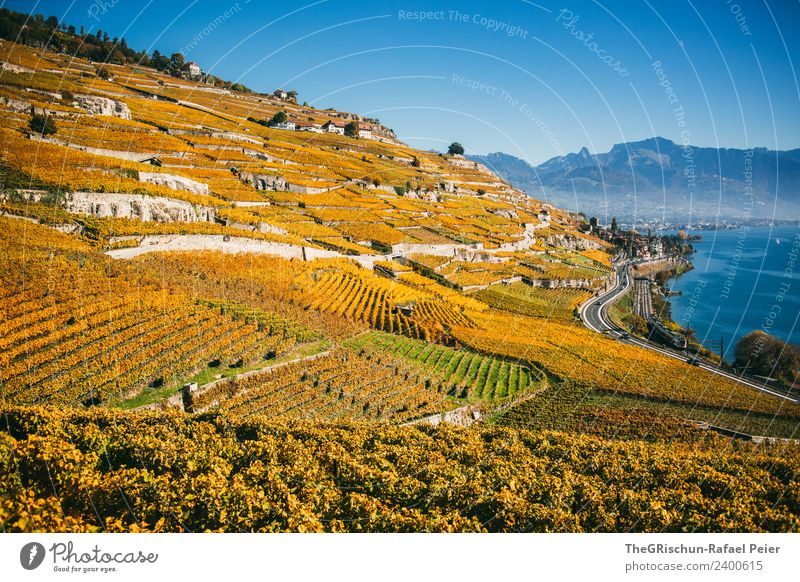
(164,249)
(106,472)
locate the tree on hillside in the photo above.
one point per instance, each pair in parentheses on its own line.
(42,124)
(766,355)
(279,117)
(103,73)
(351,129)
(614,225)
(455,149)
(160,62)
(176,62)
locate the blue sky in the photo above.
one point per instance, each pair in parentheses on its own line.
(534,79)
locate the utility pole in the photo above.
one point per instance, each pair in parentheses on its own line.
(711,344)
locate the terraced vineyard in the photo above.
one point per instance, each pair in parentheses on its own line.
(572,407)
(341,385)
(178,140)
(268,475)
(468,374)
(381,303)
(556,304)
(271,322)
(570,352)
(370,300)
(89,335)
(567,407)
(263,283)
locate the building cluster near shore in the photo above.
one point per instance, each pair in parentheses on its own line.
(644,246)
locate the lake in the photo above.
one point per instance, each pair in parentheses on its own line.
(743,280)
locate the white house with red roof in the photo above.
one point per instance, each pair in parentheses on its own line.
(333,127)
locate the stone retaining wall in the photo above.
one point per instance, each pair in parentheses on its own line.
(464,416)
(136,206)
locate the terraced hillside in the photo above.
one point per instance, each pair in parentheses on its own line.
(166,247)
(467,374)
(170,156)
(77,329)
(331,387)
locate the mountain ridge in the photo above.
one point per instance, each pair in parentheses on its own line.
(658,178)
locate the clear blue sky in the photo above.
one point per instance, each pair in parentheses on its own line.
(512,75)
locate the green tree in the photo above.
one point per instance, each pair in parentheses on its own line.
(176,62)
(614,225)
(455,149)
(279,117)
(351,129)
(42,124)
(160,62)
(766,355)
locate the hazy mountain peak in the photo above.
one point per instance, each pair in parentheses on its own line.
(658,178)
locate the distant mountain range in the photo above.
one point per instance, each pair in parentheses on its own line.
(657,178)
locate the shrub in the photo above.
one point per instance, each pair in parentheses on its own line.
(42,124)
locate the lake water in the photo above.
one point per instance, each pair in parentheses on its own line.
(743,280)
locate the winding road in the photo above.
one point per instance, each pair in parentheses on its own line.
(594,314)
